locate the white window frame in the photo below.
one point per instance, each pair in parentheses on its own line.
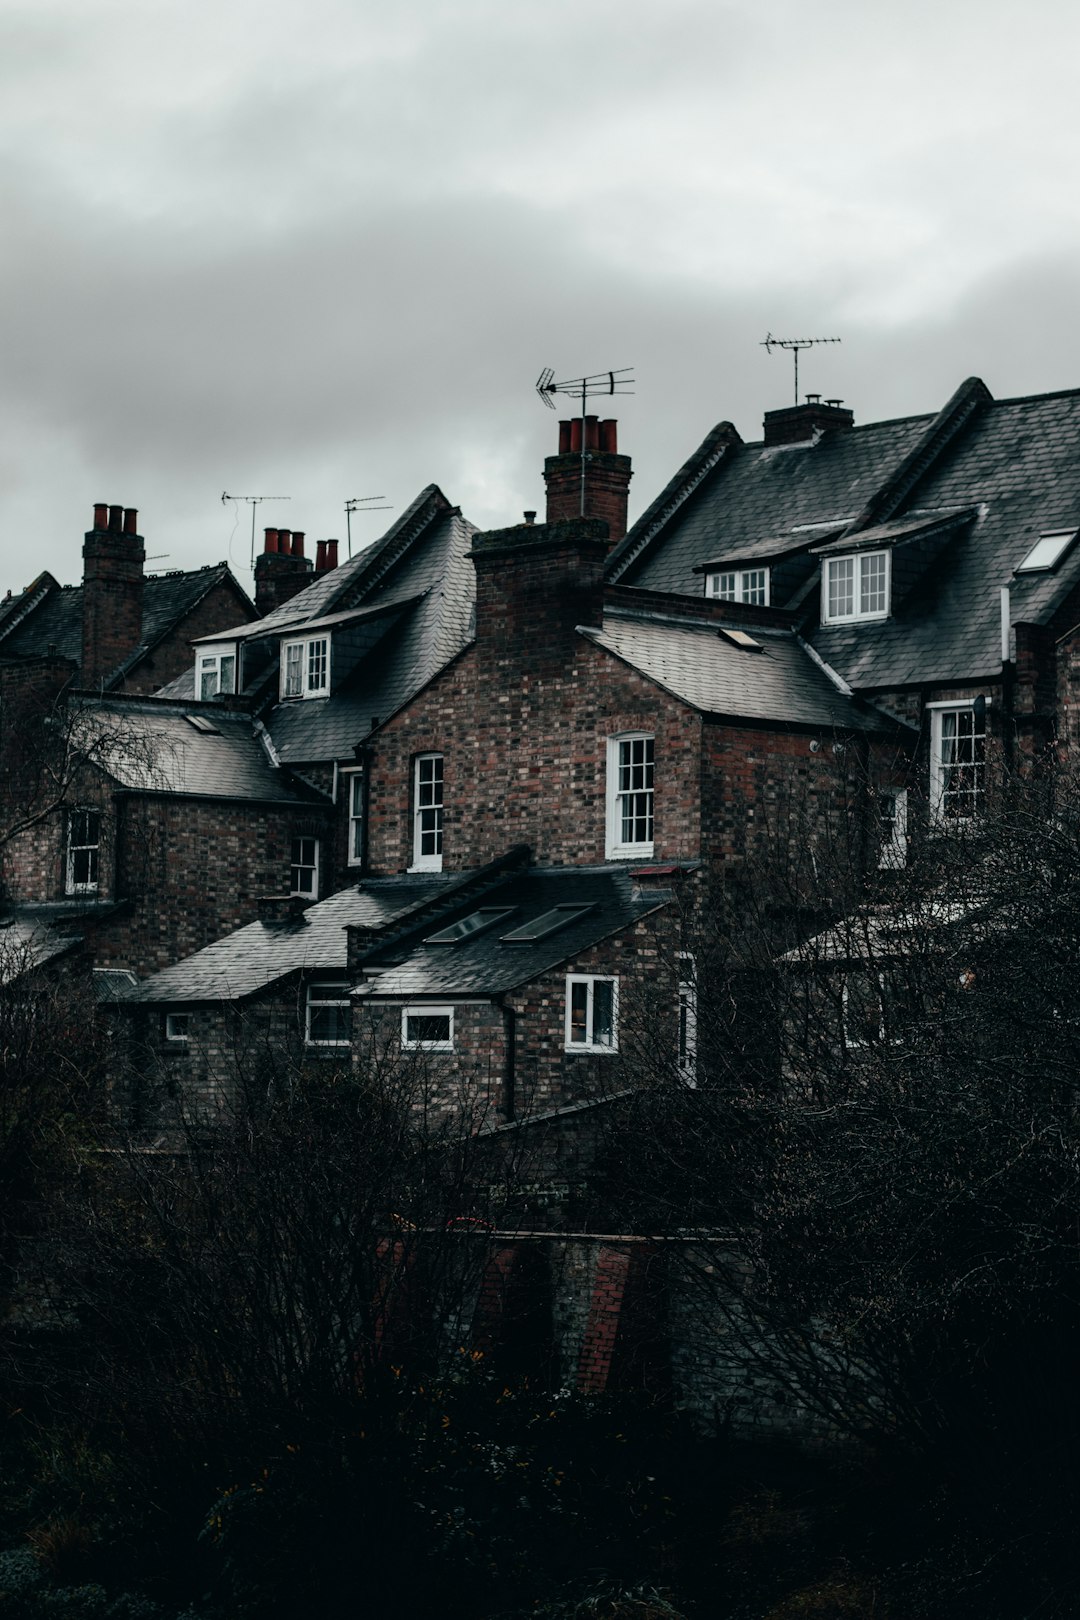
(687,1048)
(92,882)
(422,1010)
(305,667)
(859,560)
(892,851)
(938,768)
(299,866)
(751,586)
(209,671)
(325,993)
(178,1028)
(617,849)
(851,1044)
(590,1044)
(427,813)
(354,804)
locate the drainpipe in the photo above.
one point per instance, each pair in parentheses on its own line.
(510,1038)
(1008,681)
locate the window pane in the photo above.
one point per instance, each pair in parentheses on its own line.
(294,657)
(873,597)
(427,1029)
(227,666)
(841,572)
(579,1012)
(963,764)
(208,680)
(603,1030)
(753,589)
(724,586)
(317,664)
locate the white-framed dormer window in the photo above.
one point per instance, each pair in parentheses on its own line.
(592,1013)
(630,762)
(83,851)
(427,813)
(957,760)
(749,585)
(305,667)
(354,791)
(892,822)
(427,1029)
(304,867)
(855,587)
(326,1021)
(216,672)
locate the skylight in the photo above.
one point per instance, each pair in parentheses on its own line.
(741,639)
(466,927)
(545,924)
(201,723)
(1047,551)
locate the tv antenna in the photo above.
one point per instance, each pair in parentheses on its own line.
(796,346)
(362,504)
(584,388)
(253,501)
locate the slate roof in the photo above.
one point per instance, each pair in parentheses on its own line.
(56,618)
(435,587)
(757,494)
(1019,463)
(32,935)
(150,746)
(1014,464)
(258,955)
(486,965)
(781,685)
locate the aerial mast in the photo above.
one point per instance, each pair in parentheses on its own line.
(584,388)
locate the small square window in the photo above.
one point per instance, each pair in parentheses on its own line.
(592,1012)
(427,1029)
(327,1020)
(178,1028)
(855,587)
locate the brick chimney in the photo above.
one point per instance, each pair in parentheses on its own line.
(282,570)
(799,424)
(112,600)
(534,584)
(607,475)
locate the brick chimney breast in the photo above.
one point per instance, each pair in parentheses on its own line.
(112,597)
(282,570)
(534,584)
(607,476)
(800,424)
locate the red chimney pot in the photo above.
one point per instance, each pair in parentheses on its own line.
(592,433)
(575,436)
(298,543)
(609,436)
(284,542)
(331,554)
(320,556)
(269,541)
(116,514)
(564,438)
(101,515)
(131,520)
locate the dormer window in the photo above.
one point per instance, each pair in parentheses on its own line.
(305,668)
(855,587)
(749,585)
(216,672)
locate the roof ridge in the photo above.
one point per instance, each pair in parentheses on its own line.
(709,454)
(971,396)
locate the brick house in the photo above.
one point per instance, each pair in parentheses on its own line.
(930,564)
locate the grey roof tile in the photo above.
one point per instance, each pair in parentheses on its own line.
(262,953)
(486,965)
(781,685)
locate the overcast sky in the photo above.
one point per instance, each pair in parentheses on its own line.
(324,250)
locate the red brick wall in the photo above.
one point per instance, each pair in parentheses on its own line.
(219,609)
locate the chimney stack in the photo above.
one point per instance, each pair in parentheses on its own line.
(282,570)
(112,595)
(800,424)
(607,475)
(535,583)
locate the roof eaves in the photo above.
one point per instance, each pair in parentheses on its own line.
(709,455)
